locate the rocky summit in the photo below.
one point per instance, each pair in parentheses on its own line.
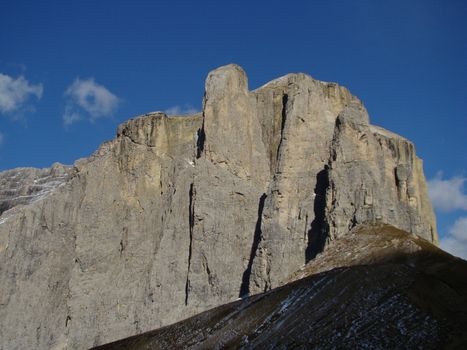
(181,214)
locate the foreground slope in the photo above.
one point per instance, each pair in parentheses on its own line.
(376,288)
(177,215)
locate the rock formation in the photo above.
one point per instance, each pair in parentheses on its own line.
(180,214)
(26,185)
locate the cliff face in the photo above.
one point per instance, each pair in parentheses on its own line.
(180,214)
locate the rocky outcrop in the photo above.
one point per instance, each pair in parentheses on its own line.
(180,214)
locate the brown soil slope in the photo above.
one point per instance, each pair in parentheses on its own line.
(377,288)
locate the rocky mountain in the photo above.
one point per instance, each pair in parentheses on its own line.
(26,185)
(177,215)
(375,288)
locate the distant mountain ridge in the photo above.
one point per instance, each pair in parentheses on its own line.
(177,215)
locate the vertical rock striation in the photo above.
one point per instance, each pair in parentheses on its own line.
(180,214)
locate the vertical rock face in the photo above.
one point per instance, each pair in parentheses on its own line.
(180,214)
(231,128)
(375,176)
(292,222)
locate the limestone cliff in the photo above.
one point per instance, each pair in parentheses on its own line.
(180,214)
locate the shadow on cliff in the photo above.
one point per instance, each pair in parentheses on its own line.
(245,286)
(318,232)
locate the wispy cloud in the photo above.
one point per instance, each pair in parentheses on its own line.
(181,110)
(70,116)
(16,93)
(447,194)
(92,98)
(2,138)
(456,240)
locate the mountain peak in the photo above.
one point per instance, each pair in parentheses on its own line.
(177,215)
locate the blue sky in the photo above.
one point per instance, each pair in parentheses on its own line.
(70,72)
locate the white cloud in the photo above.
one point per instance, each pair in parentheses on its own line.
(70,116)
(456,240)
(447,195)
(2,138)
(179,110)
(93,98)
(15,93)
